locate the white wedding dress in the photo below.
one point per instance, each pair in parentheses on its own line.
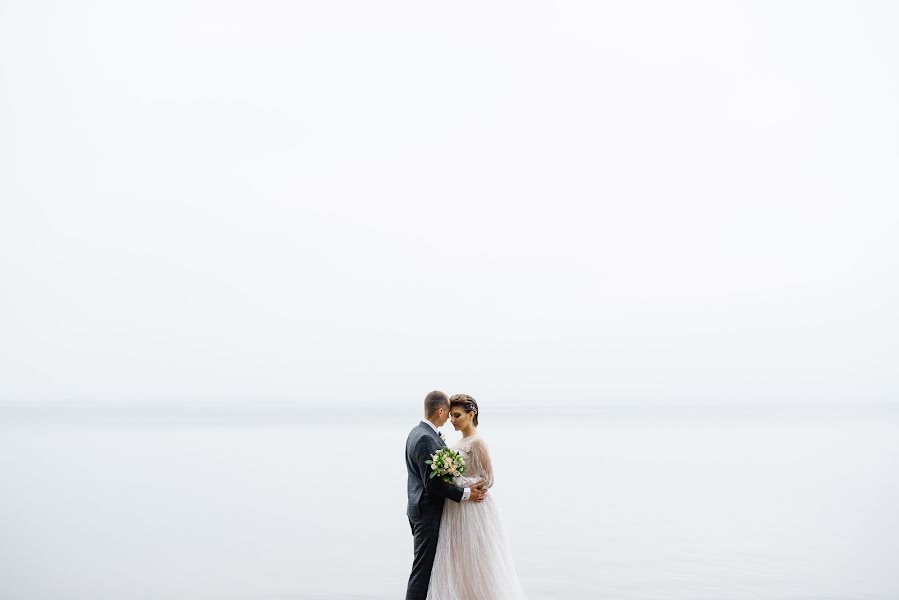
(474,560)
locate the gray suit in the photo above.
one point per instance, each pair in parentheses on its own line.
(425,505)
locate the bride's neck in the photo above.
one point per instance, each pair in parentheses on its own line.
(469,432)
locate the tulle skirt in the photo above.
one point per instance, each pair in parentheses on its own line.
(474,560)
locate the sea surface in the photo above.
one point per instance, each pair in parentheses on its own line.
(618,504)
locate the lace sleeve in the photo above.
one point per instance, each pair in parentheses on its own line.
(478,467)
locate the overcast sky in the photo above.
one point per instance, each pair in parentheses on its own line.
(334,202)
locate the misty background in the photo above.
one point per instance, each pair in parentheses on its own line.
(347,203)
(239,243)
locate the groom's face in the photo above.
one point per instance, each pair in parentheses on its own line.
(441,416)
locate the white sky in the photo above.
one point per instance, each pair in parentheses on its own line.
(533,203)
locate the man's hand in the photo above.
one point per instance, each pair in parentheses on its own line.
(478,493)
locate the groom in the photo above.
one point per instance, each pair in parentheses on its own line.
(426,495)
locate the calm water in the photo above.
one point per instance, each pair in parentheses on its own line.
(636,505)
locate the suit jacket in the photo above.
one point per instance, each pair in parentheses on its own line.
(426,495)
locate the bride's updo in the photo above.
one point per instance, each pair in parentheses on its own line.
(466,403)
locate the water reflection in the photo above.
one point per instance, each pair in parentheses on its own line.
(624,505)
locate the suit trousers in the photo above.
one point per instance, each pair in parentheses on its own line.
(425,529)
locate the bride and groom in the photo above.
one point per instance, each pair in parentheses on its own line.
(461,550)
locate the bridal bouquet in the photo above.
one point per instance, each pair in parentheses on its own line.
(446,464)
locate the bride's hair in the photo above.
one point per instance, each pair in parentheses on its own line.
(466,403)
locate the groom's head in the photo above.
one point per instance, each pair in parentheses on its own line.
(437,408)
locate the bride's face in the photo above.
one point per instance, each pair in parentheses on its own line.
(460,418)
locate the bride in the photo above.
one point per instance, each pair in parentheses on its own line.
(473,561)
